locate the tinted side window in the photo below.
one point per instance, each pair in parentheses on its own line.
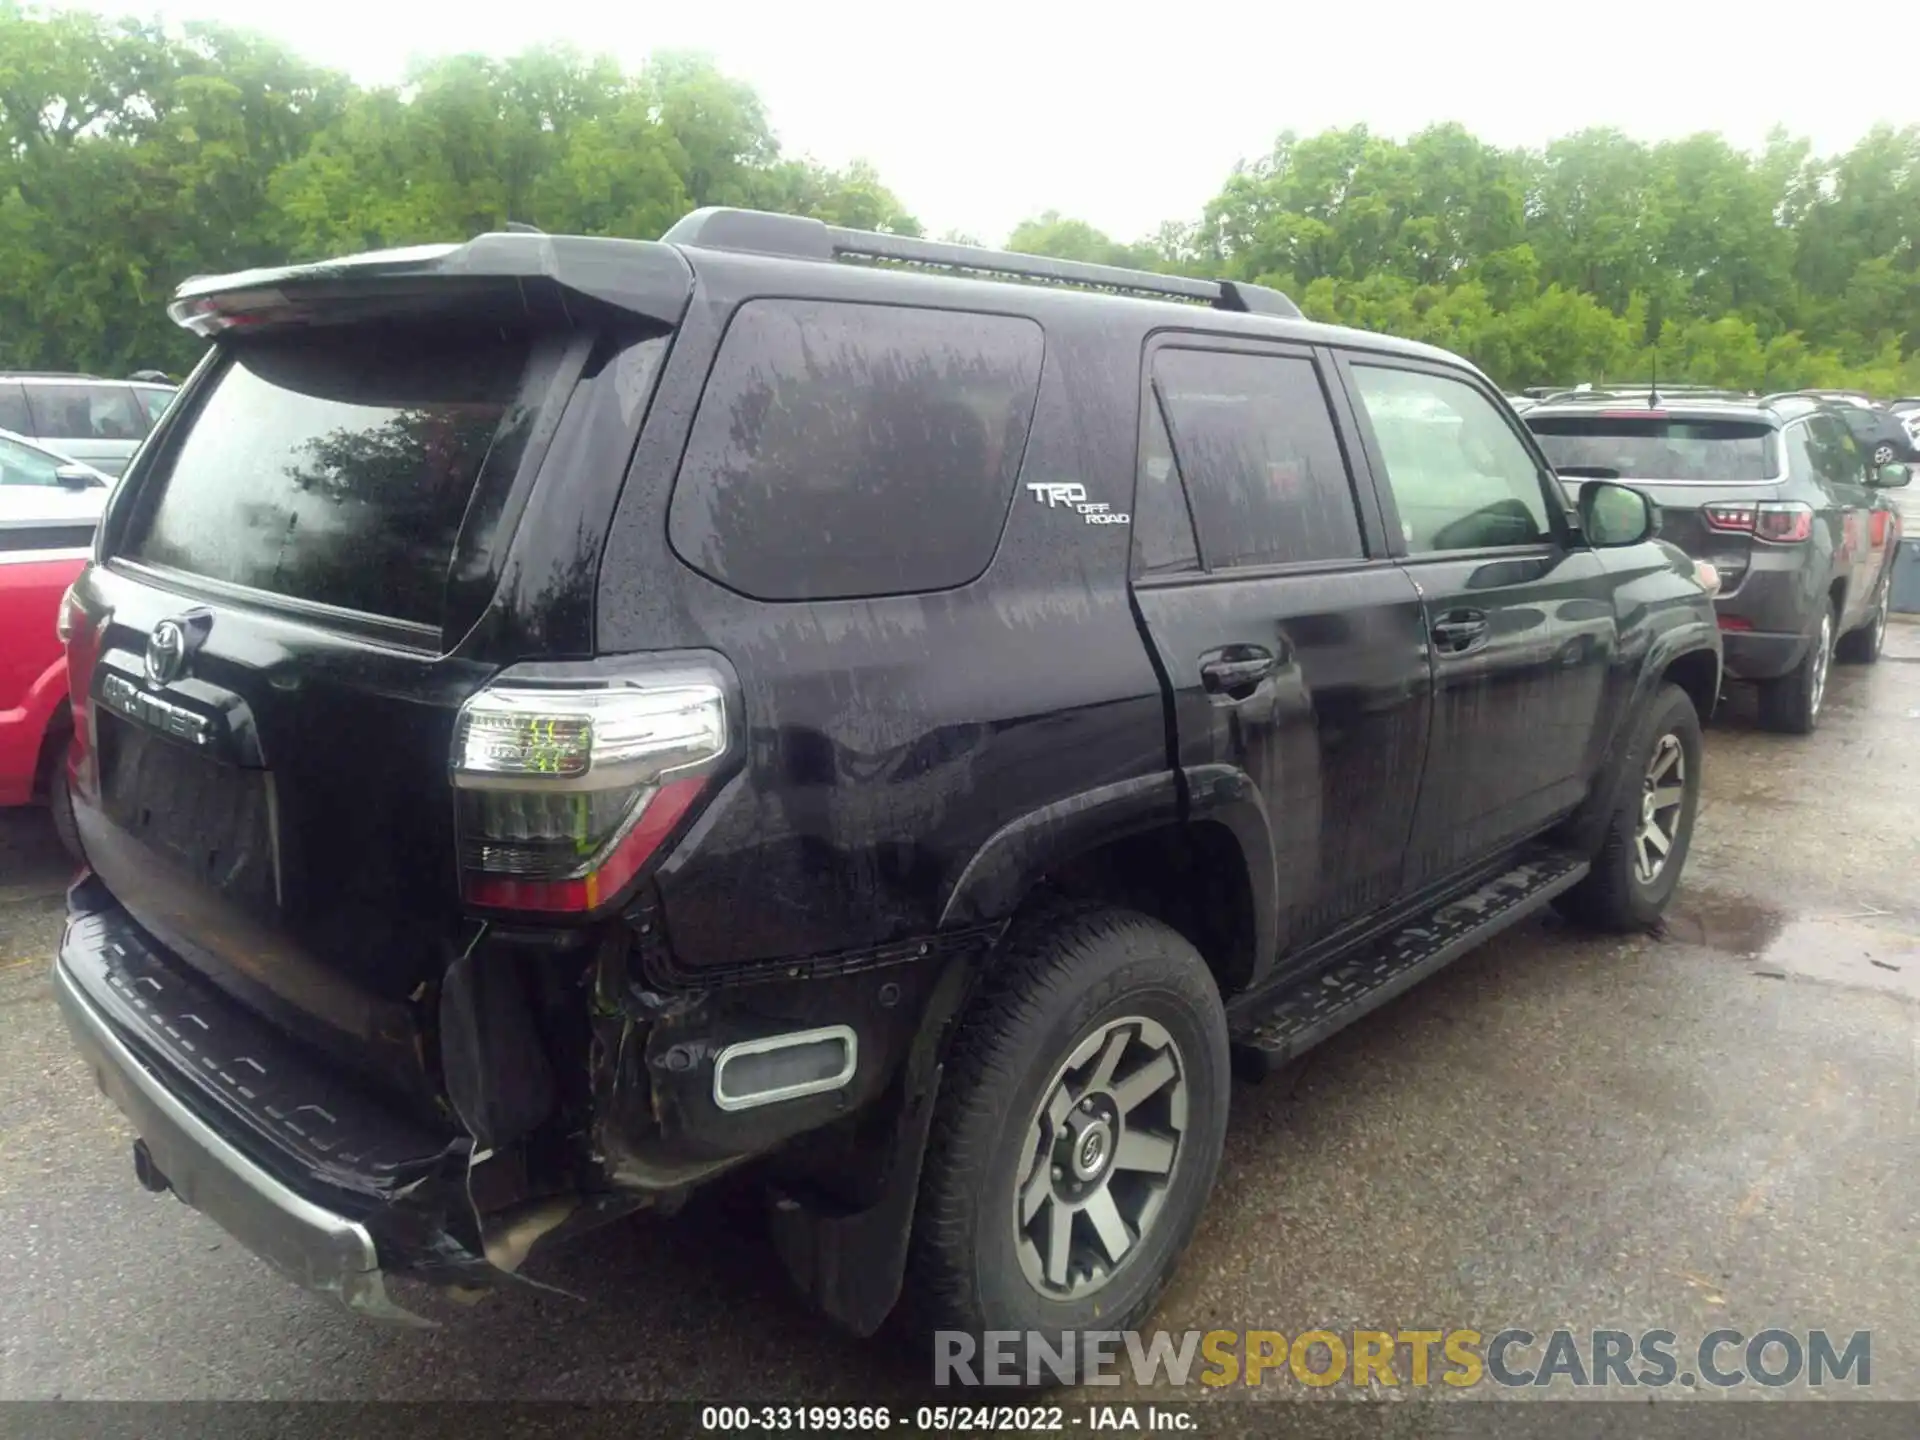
(1861,425)
(1800,462)
(13,409)
(1162,529)
(845,450)
(1834,454)
(155,400)
(86,412)
(20,465)
(1461,479)
(1261,459)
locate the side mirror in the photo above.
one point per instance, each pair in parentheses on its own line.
(1614,514)
(1893,476)
(76,477)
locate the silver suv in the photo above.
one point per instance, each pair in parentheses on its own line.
(98,422)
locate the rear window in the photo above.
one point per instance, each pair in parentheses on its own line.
(337,468)
(844,450)
(13,409)
(1651,448)
(86,412)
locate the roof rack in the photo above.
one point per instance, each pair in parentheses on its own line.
(1640,394)
(762,232)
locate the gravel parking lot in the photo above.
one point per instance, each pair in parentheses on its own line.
(1712,1126)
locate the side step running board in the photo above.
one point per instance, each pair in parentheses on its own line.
(1276,1025)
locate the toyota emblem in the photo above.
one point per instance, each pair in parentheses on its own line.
(166,652)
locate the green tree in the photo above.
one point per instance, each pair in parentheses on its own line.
(133,155)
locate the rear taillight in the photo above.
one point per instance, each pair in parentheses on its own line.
(1781,522)
(563,792)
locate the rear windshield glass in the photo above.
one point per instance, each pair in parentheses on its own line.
(1635,448)
(845,450)
(337,468)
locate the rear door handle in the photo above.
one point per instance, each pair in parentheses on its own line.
(1459,630)
(1236,670)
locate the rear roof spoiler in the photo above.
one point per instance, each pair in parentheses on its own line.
(521,276)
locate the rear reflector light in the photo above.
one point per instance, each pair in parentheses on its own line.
(654,818)
(68,617)
(563,792)
(1734,622)
(1781,522)
(750,1073)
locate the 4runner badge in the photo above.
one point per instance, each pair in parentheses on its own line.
(1073,494)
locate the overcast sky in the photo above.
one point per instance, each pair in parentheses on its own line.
(981,114)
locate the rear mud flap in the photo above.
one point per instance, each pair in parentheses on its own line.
(852,1265)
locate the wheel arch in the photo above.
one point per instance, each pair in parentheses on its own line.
(1192,848)
(1686,655)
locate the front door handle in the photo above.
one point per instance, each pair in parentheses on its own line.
(1235,671)
(1459,630)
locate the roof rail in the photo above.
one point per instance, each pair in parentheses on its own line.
(762,232)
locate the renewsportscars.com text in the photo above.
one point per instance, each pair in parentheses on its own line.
(1454,1358)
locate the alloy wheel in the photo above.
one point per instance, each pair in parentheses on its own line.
(1663,794)
(1100,1155)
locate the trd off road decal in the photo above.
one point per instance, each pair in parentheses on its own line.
(1073,495)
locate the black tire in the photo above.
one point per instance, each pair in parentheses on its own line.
(1613,896)
(60,806)
(1863,646)
(1792,704)
(1063,977)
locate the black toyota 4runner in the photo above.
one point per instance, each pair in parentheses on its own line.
(561,718)
(1778,498)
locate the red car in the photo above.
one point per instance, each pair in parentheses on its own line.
(49,506)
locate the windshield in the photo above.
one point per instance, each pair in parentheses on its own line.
(1656,448)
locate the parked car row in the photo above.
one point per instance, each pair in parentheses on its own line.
(96,421)
(49,506)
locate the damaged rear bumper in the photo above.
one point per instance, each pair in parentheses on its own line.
(312,1246)
(303,1171)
